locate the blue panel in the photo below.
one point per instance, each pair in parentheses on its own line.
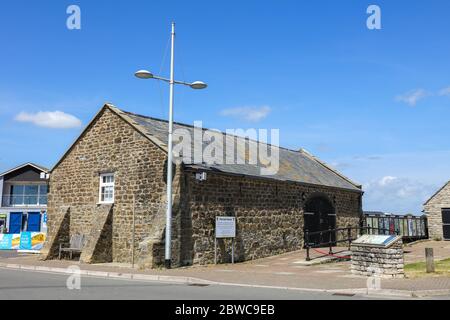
(15,222)
(26,241)
(34,222)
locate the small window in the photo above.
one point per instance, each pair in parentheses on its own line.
(107,188)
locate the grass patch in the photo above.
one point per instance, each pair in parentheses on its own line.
(419,269)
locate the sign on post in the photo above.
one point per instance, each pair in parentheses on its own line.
(225,229)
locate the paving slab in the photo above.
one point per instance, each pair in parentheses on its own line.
(416,252)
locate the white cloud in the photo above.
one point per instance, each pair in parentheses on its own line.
(396,195)
(445,92)
(367,158)
(387,180)
(340,165)
(47,119)
(412,97)
(253,114)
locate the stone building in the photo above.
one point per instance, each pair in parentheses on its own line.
(110,186)
(437,209)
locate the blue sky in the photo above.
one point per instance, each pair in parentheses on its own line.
(373,103)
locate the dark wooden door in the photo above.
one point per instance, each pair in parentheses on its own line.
(446,223)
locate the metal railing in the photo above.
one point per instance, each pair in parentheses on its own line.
(24,201)
(332,237)
(409,227)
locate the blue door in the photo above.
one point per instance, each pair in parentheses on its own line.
(34,222)
(15,222)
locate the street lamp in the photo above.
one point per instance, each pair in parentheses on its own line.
(145,74)
(197,85)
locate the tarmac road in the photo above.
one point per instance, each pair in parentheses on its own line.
(27,285)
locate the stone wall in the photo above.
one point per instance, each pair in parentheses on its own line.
(269,215)
(60,233)
(380,262)
(433,210)
(98,247)
(152,248)
(110,145)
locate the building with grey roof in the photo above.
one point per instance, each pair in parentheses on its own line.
(110,187)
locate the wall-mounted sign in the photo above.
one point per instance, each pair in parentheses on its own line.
(225,227)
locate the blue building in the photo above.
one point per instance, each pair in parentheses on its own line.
(23,204)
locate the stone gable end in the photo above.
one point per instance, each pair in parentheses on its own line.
(433,209)
(110,144)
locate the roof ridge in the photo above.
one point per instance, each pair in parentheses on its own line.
(126,117)
(37,166)
(437,192)
(329,167)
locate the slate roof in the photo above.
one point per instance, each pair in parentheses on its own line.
(295,166)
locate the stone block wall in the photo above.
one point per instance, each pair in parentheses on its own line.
(60,227)
(433,210)
(98,247)
(269,215)
(380,262)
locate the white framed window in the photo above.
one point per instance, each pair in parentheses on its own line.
(107,188)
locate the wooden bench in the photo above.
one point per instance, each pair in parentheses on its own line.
(76,245)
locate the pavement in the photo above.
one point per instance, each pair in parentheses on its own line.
(285,271)
(416,251)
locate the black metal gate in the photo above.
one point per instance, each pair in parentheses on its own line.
(319,216)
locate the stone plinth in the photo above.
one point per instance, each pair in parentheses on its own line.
(378,261)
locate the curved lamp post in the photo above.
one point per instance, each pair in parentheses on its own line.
(145,74)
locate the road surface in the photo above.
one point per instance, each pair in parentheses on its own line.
(27,285)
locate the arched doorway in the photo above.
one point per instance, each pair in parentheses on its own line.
(319,215)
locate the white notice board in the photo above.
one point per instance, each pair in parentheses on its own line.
(225,227)
(383,241)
